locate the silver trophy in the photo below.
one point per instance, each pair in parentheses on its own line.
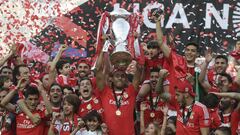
(120,57)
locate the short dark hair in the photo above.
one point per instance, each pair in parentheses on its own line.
(225,130)
(84,78)
(31,90)
(91,115)
(211,101)
(193,44)
(60,64)
(5,67)
(230,80)
(222,57)
(57,85)
(16,72)
(153,44)
(67,87)
(74,101)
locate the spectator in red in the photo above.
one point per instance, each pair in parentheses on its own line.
(192,116)
(235,117)
(209,78)
(155,59)
(226,107)
(65,124)
(89,101)
(23,123)
(211,101)
(152,97)
(183,67)
(84,68)
(118,100)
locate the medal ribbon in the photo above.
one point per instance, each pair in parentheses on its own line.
(152,104)
(186,117)
(118,101)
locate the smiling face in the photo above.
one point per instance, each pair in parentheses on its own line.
(220,65)
(67,108)
(85,88)
(190,53)
(83,70)
(93,124)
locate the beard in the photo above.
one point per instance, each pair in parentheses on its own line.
(225,105)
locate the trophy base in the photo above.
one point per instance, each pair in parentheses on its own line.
(121,59)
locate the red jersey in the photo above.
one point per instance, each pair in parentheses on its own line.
(26,127)
(67,126)
(119,122)
(153,111)
(64,80)
(153,63)
(235,122)
(225,119)
(179,65)
(199,118)
(87,106)
(214,118)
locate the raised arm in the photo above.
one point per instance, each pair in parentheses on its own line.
(163,73)
(57,57)
(203,73)
(234,95)
(144,90)
(164,109)
(5,101)
(44,96)
(100,76)
(142,123)
(163,45)
(137,76)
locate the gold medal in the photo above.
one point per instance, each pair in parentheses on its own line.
(152,114)
(95,101)
(125,95)
(118,112)
(89,106)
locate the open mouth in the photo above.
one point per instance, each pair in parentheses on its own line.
(85,91)
(55,96)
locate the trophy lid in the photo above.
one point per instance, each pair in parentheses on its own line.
(120,11)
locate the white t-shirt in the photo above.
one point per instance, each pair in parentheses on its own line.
(86,132)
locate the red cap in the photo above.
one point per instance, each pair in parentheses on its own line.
(185,87)
(84,60)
